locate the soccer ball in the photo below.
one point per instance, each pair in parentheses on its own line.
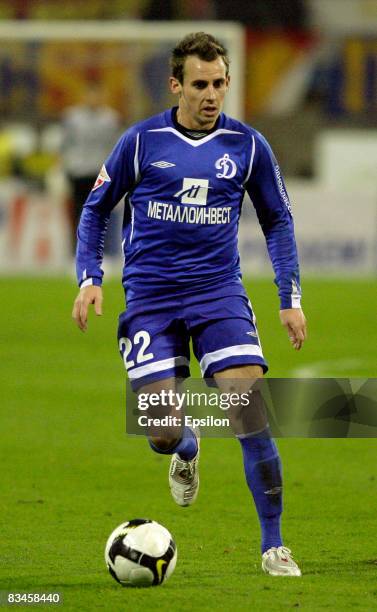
(140,553)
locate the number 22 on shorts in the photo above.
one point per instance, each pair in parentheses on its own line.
(125,346)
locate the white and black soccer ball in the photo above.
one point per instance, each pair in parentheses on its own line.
(140,553)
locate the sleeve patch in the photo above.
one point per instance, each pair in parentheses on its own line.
(102,178)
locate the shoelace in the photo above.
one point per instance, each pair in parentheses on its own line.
(183,472)
(283,552)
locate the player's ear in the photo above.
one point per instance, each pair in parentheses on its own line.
(175,85)
(227,82)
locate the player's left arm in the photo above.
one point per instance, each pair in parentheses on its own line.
(267,190)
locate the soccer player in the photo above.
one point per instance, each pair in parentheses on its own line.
(183,174)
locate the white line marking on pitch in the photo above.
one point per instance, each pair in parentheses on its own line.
(315,369)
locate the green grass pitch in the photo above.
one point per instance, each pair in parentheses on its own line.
(69,474)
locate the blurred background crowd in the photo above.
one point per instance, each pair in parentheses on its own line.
(309,70)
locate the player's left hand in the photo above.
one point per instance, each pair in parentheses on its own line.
(294,321)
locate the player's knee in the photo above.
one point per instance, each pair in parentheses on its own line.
(250,415)
(238,379)
(163,443)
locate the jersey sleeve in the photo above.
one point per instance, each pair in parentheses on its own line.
(265,186)
(117,177)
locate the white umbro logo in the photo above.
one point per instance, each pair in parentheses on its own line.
(252,334)
(162,164)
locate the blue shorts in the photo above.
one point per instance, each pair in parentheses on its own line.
(154,336)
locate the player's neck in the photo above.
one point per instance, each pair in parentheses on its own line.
(189,123)
(194,133)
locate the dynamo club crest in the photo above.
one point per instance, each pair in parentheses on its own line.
(227,166)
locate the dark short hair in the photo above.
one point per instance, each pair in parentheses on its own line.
(205,46)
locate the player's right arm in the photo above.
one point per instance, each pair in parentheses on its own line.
(116,178)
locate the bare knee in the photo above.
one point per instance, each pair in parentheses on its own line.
(239,379)
(163,443)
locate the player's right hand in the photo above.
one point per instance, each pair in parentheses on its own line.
(88,295)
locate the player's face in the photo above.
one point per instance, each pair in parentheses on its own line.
(201,95)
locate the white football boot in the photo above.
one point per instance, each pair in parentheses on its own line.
(184,477)
(279,562)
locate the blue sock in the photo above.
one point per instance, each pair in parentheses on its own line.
(187,447)
(263,475)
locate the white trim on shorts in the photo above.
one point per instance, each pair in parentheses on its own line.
(157,366)
(230,351)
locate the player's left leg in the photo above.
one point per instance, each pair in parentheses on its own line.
(227,345)
(262,465)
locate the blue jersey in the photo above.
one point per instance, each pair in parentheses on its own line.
(183,200)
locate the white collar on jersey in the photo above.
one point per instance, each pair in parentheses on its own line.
(192,142)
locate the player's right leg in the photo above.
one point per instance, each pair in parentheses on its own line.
(168,435)
(155,351)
